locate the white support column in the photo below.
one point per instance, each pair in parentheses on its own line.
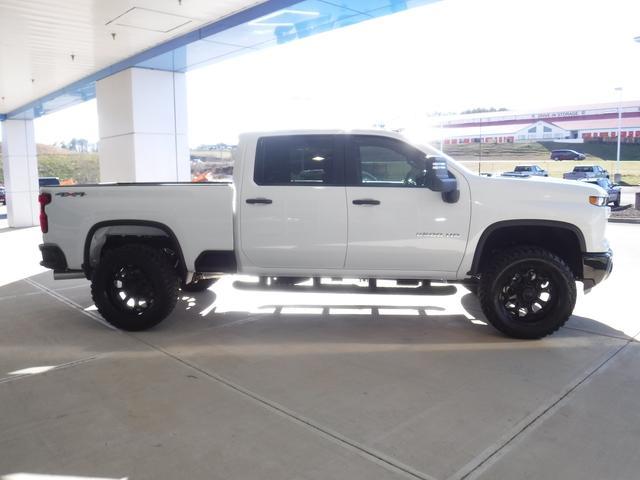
(142,117)
(20,164)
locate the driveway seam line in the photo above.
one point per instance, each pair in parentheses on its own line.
(599,334)
(29,294)
(62,366)
(69,302)
(20,295)
(488,457)
(337,438)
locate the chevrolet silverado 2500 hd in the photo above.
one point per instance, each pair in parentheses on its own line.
(353,204)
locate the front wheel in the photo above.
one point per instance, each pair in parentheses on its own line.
(527,292)
(134,287)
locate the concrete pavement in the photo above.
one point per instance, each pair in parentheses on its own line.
(241,383)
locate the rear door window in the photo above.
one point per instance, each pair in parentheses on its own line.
(299,160)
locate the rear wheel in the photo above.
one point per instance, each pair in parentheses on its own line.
(528,292)
(134,287)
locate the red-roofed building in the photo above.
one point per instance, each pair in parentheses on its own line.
(583,123)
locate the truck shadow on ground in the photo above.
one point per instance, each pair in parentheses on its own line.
(252,315)
(422,319)
(348,288)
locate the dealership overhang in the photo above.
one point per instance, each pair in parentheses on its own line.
(132,58)
(52,56)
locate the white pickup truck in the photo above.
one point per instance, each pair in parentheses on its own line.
(348,204)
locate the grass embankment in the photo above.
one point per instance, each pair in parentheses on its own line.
(84,167)
(497,158)
(81,167)
(64,164)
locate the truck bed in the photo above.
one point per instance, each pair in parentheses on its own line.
(199,214)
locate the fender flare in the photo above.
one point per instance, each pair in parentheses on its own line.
(477,256)
(86,265)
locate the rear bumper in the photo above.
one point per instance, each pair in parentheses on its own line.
(596,267)
(53,257)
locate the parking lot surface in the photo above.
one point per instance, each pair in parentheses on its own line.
(244,383)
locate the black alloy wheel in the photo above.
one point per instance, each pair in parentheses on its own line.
(131,290)
(134,287)
(527,292)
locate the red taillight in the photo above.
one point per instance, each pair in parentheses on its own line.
(44,199)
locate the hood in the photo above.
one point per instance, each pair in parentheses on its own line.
(541,189)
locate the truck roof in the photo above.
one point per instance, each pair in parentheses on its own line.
(370,131)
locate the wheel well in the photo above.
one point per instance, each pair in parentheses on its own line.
(109,235)
(561,240)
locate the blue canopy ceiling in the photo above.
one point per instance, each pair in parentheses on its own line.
(271,23)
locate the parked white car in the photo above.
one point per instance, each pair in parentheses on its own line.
(355,204)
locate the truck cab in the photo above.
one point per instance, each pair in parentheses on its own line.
(374,203)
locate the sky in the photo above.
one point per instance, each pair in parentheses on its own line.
(449,56)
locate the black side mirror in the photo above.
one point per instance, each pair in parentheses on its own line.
(451,197)
(444,185)
(440,181)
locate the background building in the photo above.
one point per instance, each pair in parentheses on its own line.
(581,123)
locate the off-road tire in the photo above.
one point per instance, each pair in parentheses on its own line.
(499,283)
(199,286)
(155,280)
